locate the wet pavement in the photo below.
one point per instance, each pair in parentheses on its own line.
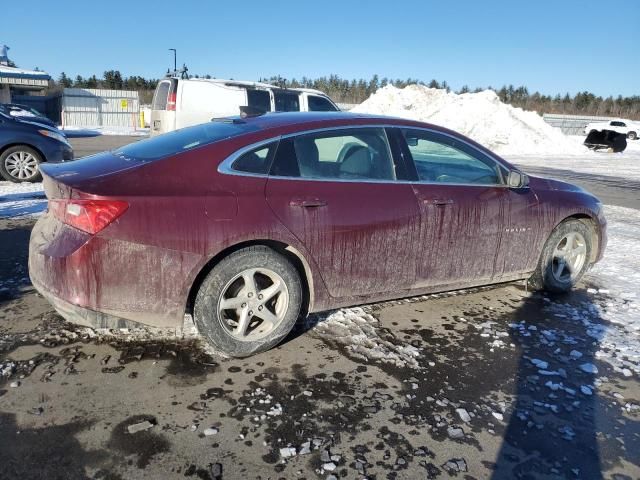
(488,383)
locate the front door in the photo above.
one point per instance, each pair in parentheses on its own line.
(473,227)
(336,191)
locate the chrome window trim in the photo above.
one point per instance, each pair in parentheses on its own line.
(225,166)
(227,163)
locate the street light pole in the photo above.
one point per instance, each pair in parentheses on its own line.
(175,65)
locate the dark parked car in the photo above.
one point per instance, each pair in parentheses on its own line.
(247,223)
(24,112)
(24,145)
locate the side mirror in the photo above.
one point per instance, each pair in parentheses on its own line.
(517,179)
(412,141)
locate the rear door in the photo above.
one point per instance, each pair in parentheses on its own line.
(337,192)
(473,227)
(163,107)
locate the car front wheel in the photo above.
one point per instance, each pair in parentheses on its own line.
(20,163)
(565,257)
(248,302)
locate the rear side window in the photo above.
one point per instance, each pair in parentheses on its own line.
(319,104)
(359,153)
(160,97)
(256,161)
(287,101)
(618,124)
(183,140)
(259,99)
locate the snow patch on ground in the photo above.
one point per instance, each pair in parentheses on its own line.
(21,199)
(624,164)
(75,131)
(480,116)
(364,338)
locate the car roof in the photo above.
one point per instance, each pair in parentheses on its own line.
(297,121)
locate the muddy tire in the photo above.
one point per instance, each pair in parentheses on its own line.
(20,163)
(248,302)
(632,135)
(565,258)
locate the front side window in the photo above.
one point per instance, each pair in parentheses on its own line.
(160,97)
(256,161)
(442,159)
(320,104)
(287,101)
(349,154)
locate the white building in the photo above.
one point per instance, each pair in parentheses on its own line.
(18,80)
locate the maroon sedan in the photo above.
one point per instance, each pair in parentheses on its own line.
(247,223)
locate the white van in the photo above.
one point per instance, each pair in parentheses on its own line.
(179,103)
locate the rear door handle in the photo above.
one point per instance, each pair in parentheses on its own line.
(438,201)
(308,202)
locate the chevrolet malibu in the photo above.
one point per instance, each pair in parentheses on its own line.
(249,223)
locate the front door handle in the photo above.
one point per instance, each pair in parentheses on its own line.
(308,202)
(440,202)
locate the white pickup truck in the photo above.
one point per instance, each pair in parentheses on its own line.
(626,127)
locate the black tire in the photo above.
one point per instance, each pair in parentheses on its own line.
(632,135)
(543,278)
(9,152)
(205,310)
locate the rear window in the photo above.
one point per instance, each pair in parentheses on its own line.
(184,139)
(259,99)
(160,97)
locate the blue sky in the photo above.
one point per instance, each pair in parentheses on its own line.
(551,46)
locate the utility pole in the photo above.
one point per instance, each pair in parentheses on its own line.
(175,66)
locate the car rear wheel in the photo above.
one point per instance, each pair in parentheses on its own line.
(20,164)
(565,257)
(632,135)
(248,302)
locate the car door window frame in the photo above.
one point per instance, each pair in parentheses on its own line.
(340,129)
(226,166)
(406,154)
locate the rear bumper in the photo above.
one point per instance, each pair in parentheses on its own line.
(105,282)
(84,316)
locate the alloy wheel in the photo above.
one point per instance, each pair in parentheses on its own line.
(569,257)
(21,165)
(253,304)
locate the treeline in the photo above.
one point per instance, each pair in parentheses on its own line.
(344,90)
(111,80)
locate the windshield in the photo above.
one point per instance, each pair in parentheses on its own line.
(185,139)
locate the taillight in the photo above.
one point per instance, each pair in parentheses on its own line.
(171,101)
(90,216)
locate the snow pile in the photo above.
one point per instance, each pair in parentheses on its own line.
(480,116)
(361,334)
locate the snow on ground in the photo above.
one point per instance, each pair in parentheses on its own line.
(21,199)
(480,116)
(625,164)
(73,131)
(360,333)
